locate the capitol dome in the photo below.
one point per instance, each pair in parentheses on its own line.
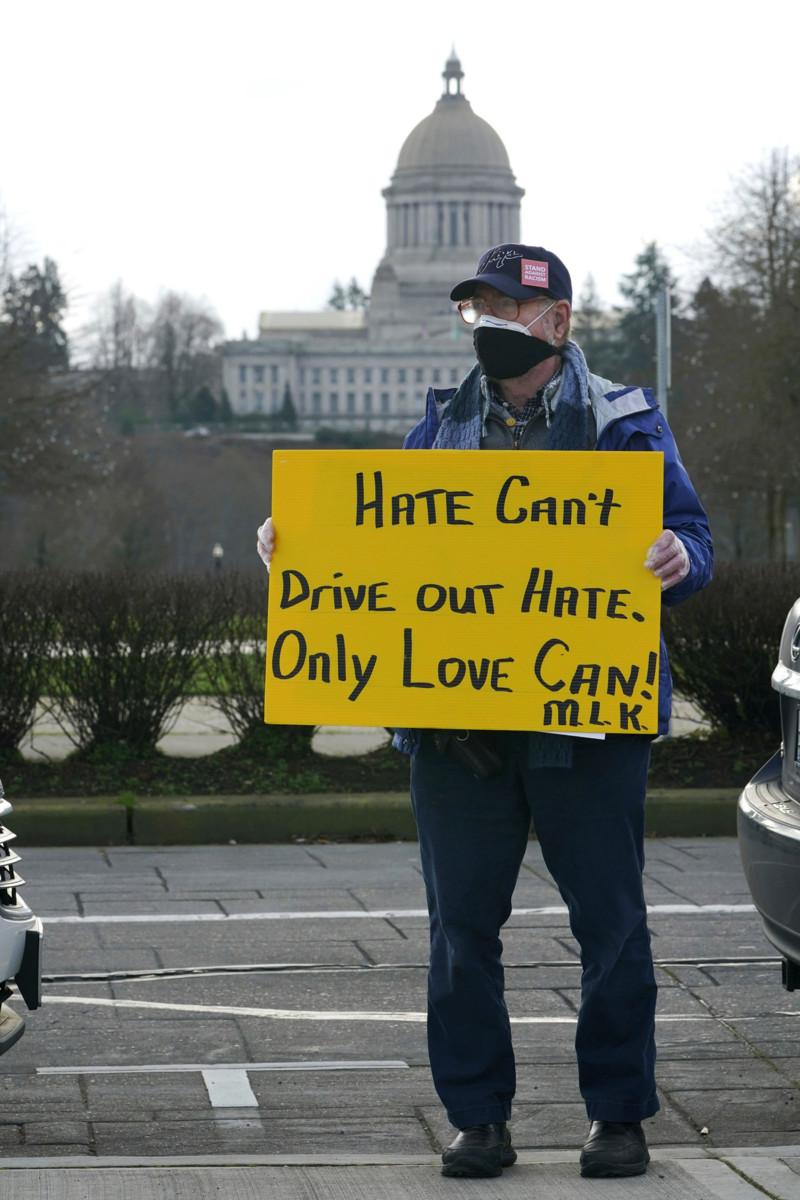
(452,195)
(452,135)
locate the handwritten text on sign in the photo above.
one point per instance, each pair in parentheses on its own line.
(466,589)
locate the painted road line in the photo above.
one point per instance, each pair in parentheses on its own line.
(325,1064)
(549,910)
(287,1014)
(228,1088)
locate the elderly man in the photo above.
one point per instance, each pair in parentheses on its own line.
(531,389)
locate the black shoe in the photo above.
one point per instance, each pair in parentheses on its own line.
(480,1150)
(614,1148)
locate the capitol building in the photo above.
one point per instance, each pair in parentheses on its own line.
(452,194)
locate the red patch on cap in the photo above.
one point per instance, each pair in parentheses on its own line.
(535,274)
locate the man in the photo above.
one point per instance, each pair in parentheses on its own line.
(531,389)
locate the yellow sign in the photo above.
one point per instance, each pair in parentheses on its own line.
(464,589)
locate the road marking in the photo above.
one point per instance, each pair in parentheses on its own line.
(228,1088)
(288,1014)
(549,910)
(325,1064)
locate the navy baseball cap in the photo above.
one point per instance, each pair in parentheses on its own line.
(523,272)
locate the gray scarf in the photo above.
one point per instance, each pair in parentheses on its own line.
(461,429)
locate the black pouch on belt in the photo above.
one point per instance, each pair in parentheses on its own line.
(474,749)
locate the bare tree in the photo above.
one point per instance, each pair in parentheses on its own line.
(757,240)
(121,331)
(182,346)
(740,379)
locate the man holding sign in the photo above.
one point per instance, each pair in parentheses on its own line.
(475,790)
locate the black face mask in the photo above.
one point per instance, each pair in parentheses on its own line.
(506,354)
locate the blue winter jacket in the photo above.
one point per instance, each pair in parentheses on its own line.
(627,418)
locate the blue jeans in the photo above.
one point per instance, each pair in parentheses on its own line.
(589,820)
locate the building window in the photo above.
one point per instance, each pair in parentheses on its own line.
(333,402)
(401,374)
(454,374)
(384,402)
(316,403)
(274,372)
(439,224)
(401,400)
(436,374)
(334,374)
(259,398)
(367,402)
(351,402)
(259,374)
(242,373)
(367,374)
(384,374)
(315,374)
(301,373)
(351,375)
(453,224)
(467,235)
(418,376)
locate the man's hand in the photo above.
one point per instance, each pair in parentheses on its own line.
(668,559)
(266,541)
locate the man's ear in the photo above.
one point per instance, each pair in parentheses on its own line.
(563,315)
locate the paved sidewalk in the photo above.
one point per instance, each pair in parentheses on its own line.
(735,1174)
(200,729)
(257,1013)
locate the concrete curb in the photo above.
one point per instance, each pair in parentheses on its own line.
(209,820)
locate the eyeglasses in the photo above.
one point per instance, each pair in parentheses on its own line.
(505,307)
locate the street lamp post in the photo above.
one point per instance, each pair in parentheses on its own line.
(217,554)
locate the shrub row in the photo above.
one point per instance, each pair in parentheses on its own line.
(114,655)
(723,645)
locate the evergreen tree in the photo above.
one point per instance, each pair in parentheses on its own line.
(288,412)
(225,409)
(636,324)
(33,305)
(338,297)
(595,331)
(202,406)
(356,296)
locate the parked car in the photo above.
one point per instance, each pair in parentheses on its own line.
(768,816)
(20,939)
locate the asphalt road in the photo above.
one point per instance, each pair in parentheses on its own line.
(270,1001)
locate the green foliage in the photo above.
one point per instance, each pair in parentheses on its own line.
(288,413)
(201,408)
(31,314)
(234,665)
(26,633)
(352,296)
(636,326)
(594,330)
(225,408)
(127,644)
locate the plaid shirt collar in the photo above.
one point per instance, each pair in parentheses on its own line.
(545,400)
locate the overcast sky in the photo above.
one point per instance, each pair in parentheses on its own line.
(238,150)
